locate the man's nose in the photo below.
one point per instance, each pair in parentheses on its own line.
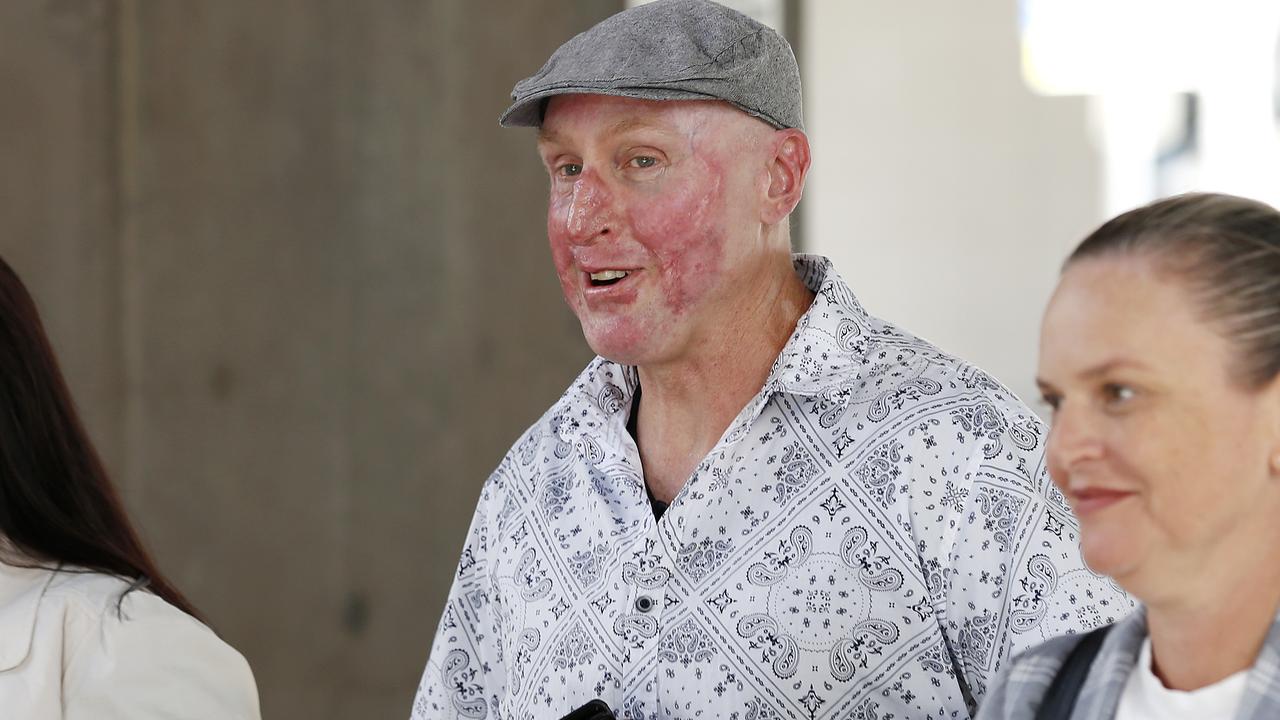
(1073,439)
(590,206)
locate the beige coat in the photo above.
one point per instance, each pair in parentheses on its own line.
(65,652)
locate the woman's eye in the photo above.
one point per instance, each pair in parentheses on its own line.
(569,170)
(644,161)
(1117,393)
(1050,401)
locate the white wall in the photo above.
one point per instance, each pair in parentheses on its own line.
(944,190)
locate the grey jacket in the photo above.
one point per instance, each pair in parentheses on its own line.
(1016,692)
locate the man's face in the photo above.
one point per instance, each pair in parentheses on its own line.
(653,218)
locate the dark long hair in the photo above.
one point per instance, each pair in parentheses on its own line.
(57,505)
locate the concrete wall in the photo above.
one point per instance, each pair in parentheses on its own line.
(945,191)
(297,275)
(297,278)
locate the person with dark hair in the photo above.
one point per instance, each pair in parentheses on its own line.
(89,627)
(1160,357)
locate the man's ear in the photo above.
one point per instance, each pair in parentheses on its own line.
(788,167)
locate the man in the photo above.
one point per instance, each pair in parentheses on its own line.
(759,501)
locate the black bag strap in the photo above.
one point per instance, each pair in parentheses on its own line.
(1060,699)
(594,710)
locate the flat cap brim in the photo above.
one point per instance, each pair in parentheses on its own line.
(529,111)
(670,50)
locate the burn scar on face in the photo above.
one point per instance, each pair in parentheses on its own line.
(642,248)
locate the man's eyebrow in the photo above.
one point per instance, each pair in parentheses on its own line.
(547,136)
(628,124)
(625,125)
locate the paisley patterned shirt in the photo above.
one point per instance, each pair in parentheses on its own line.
(872,537)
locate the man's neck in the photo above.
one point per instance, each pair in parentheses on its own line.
(687,406)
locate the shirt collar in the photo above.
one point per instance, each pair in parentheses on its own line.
(827,350)
(830,344)
(1263,681)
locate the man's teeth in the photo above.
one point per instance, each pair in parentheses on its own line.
(608,275)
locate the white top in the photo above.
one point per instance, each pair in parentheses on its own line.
(874,535)
(67,653)
(1146,698)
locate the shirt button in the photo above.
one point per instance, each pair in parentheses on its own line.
(644,603)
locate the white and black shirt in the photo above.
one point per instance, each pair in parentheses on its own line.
(872,537)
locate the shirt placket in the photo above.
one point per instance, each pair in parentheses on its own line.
(647,603)
(644,577)
(654,596)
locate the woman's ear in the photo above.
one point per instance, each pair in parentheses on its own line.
(1271,396)
(788,167)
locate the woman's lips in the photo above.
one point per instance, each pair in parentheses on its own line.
(1092,500)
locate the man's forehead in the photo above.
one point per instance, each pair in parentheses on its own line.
(607,115)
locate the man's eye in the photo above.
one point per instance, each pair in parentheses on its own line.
(644,161)
(569,169)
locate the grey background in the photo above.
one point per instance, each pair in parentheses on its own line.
(297,279)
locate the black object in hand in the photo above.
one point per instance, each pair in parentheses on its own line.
(594,710)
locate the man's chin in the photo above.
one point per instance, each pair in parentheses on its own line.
(613,352)
(622,348)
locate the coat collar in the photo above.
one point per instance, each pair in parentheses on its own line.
(1118,657)
(21,590)
(1262,690)
(1111,669)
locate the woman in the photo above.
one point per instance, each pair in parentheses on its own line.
(1160,359)
(89,628)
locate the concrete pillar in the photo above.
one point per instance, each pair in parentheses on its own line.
(299,279)
(58,202)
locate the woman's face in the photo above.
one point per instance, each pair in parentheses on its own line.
(1166,458)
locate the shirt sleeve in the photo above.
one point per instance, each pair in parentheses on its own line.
(1008,570)
(465,676)
(146,660)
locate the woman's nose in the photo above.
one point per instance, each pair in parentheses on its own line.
(1073,439)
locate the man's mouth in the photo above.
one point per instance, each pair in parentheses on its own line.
(607,277)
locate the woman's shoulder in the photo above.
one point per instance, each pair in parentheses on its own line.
(132,645)
(121,645)
(88,591)
(107,603)
(68,589)
(92,603)
(1020,686)
(1047,657)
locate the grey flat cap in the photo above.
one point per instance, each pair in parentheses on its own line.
(671,50)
